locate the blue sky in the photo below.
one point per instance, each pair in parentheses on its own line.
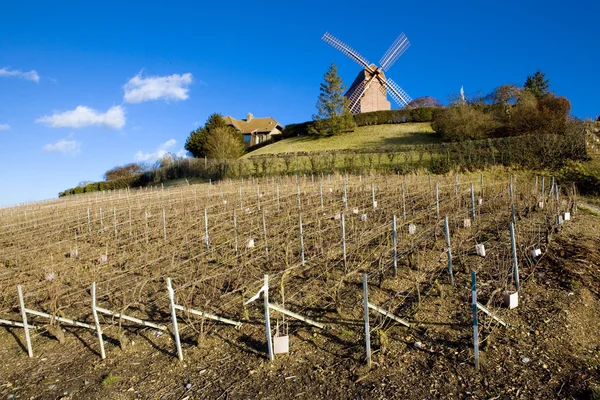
(85,86)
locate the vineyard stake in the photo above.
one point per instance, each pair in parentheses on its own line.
(97,322)
(206,239)
(301,240)
(403,203)
(344,239)
(235,233)
(449,252)
(475,325)
(366,318)
(373,196)
(174,319)
(25,325)
(164,224)
(472,203)
(513,246)
(268,317)
(321,193)
(394,248)
(437,200)
(264,224)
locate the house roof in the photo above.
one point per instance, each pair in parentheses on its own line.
(256,125)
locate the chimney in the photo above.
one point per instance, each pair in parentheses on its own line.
(249,117)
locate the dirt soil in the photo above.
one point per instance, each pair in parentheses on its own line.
(550,348)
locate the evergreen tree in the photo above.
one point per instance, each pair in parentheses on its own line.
(333,110)
(537,84)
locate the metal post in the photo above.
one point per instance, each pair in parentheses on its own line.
(472,203)
(373,196)
(456,185)
(437,200)
(299,200)
(25,325)
(265,233)
(449,252)
(543,189)
(403,202)
(321,193)
(395,246)
(301,241)
(206,240)
(164,224)
(235,234)
(513,245)
(97,322)
(174,319)
(475,324)
(344,239)
(481,184)
(278,204)
(366,312)
(268,319)
(346,195)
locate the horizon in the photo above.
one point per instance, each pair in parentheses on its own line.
(87,87)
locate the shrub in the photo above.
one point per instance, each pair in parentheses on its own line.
(463,122)
(586,181)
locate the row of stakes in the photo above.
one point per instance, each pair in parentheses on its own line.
(280,343)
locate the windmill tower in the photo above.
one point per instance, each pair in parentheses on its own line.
(369,90)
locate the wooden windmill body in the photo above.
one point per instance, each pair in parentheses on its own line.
(369,90)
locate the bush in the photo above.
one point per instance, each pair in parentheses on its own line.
(586,181)
(463,122)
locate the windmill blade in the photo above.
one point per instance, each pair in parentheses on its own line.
(347,50)
(355,97)
(396,50)
(399,95)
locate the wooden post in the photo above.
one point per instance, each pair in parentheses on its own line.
(366,317)
(395,246)
(97,322)
(115,219)
(449,252)
(475,324)
(513,246)
(268,319)
(24,317)
(174,319)
(89,222)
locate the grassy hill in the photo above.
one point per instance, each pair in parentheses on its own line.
(362,137)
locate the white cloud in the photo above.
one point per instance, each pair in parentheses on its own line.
(158,154)
(4,127)
(29,75)
(83,116)
(173,87)
(67,147)
(181,153)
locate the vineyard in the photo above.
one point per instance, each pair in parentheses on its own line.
(176,279)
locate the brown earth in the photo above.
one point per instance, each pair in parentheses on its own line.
(549,350)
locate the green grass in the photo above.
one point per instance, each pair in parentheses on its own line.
(110,379)
(363,137)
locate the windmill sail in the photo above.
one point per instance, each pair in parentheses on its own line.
(347,50)
(394,52)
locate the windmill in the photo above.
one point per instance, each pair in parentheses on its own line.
(369,90)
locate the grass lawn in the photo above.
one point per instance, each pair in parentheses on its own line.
(362,137)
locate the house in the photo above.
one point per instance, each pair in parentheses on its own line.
(255,130)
